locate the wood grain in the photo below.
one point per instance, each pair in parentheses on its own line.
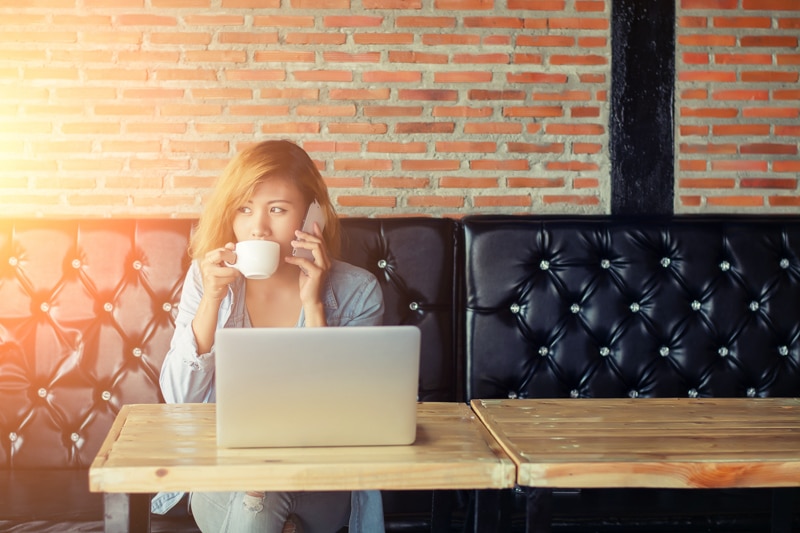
(643,442)
(157,447)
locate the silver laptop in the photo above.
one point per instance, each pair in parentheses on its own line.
(338,386)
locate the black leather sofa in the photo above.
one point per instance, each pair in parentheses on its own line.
(508,307)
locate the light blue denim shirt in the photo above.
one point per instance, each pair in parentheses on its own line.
(351,297)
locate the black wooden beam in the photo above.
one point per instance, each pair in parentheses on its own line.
(641,130)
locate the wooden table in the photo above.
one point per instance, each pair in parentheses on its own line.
(158,447)
(643,442)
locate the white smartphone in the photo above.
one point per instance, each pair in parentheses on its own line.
(314,214)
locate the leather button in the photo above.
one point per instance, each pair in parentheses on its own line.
(574,393)
(663,351)
(382,263)
(167,307)
(633,394)
(137,265)
(42,392)
(515,308)
(665,262)
(74,437)
(723,351)
(106,395)
(754,306)
(575,309)
(544,264)
(108,307)
(724,266)
(76,263)
(751,392)
(604,351)
(137,352)
(512,395)
(692,393)
(783,350)
(44,306)
(696,305)
(13,436)
(784,263)
(635,307)
(13,261)
(605,264)
(543,351)
(413,306)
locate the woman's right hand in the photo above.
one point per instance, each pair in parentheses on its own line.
(216,274)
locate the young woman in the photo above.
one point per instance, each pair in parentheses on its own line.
(264,193)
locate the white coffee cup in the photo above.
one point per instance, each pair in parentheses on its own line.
(257,259)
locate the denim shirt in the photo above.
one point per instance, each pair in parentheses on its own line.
(351,296)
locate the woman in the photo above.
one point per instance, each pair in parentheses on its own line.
(264,193)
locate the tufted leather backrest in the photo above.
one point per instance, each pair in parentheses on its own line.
(607,307)
(414,261)
(87,310)
(86,315)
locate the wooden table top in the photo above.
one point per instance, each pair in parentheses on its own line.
(642,442)
(158,447)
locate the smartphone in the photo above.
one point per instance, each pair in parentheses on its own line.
(314,214)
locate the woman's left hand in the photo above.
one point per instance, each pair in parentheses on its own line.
(312,273)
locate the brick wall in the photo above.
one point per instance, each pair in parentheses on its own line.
(441,107)
(738,105)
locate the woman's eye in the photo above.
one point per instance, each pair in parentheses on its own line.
(276,209)
(244,209)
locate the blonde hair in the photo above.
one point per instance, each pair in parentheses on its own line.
(249,168)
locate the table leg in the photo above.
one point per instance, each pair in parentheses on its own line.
(538,510)
(485,517)
(441,510)
(127,513)
(781,510)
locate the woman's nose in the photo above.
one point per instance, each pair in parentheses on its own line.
(260,229)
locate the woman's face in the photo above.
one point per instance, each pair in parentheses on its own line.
(274,211)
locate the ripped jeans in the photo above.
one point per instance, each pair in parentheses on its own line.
(266,512)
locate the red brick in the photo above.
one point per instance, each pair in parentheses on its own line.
(709,112)
(707,76)
(425,127)
(784,201)
(570,199)
(458,182)
(571,166)
(735,201)
(366,201)
(774,41)
(435,201)
(771,5)
(502,201)
(493,128)
(464,5)
(513,23)
(739,166)
(786,166)
(707,148)
(306,38)
(397,147)
(743,22)
(692,22)
(537,5)
(691,201)
(769,76)
(707,183)
(769,183)
(709,4)
(769,148)
(707,40)
(462,77)
(531,148)
(740,129)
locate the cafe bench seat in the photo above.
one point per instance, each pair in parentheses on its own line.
(608,307)
(87,310)
(508,306)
